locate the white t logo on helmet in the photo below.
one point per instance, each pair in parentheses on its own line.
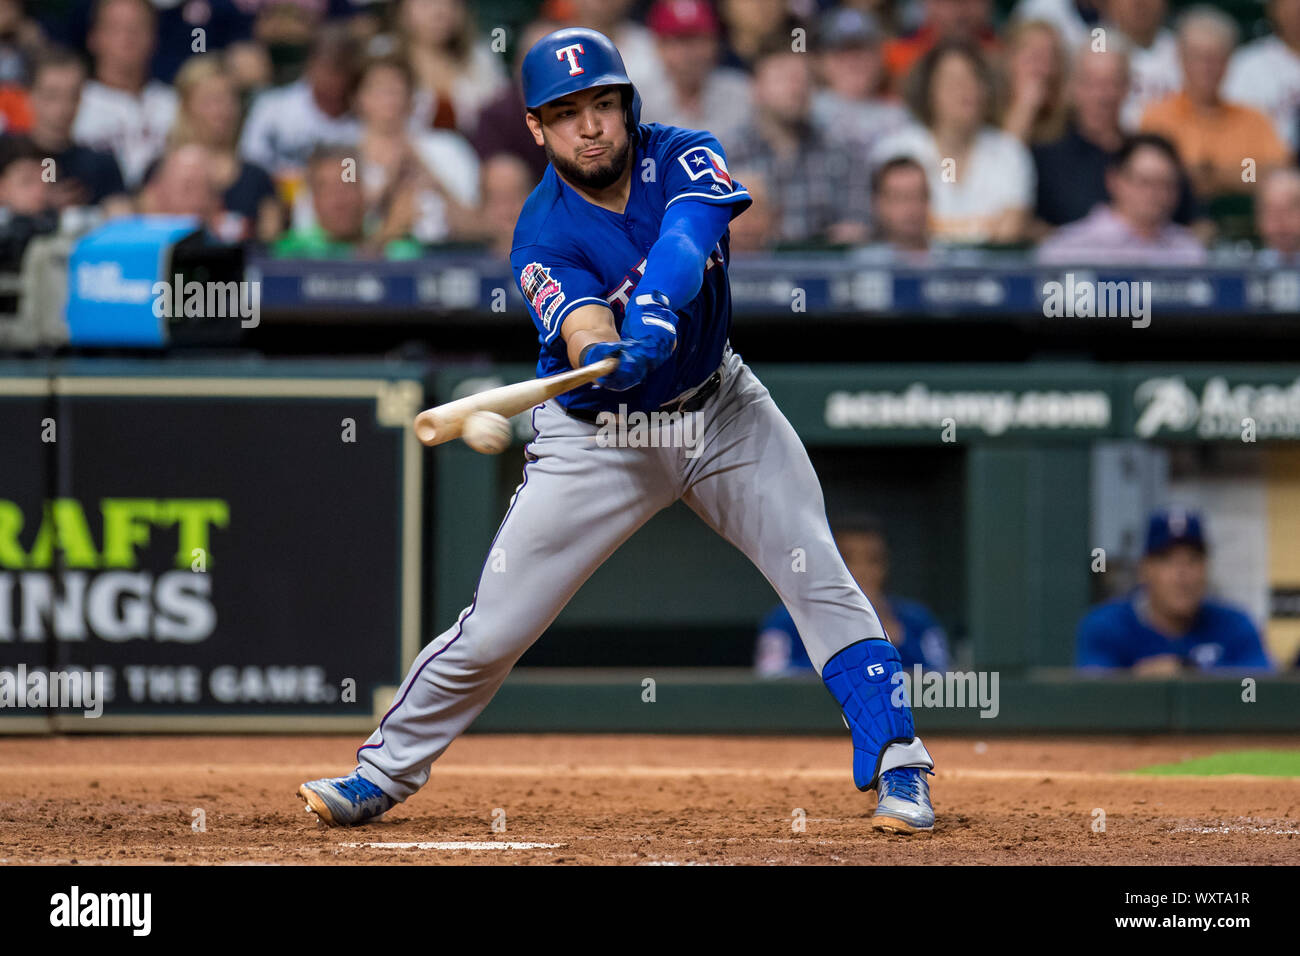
(570,53)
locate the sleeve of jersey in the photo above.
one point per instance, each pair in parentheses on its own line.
(553,285)
(695,167)
(1245,649)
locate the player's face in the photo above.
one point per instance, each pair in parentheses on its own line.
(585,136)
(1175,581)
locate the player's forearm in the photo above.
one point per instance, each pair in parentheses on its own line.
(675,265)
(586,326)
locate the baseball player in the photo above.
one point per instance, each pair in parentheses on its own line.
(622,250)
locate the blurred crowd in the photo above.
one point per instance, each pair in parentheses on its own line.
(1088,131)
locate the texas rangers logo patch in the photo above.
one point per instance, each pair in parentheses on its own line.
(702,161)
(538,286)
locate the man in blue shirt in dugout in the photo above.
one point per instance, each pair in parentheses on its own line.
(911,628)
(1167,624)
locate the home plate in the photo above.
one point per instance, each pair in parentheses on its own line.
(460,845)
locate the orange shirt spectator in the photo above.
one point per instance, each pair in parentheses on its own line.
(15,110)
(1213,141)
(901,53)
(1213,136)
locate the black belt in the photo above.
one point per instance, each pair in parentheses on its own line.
(692,403)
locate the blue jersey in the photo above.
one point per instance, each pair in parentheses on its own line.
(569,252)
(781,652)
(1113,635)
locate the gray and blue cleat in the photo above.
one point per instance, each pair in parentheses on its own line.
(345,801)
(903,802)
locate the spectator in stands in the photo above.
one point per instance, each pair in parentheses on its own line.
(1072,169)
(699,94)
(15,110)
(20,41)
(1167,625)
(959,21)
(981,179)
(852,101)
(758,229)
(208,114)
(818,183)
(506,183)
(1035,70)
(287,123)
(1265,73)
(82,176)
(339,229)
(635,42)
(1212,136)
(224,23)
(900,206)
(909,625)
(456,73)
(499,129)
(1154,72)
(182,186)
(287,30)
(1136,227)
(752,26)
(1277,218)
(26,204)
(433,173)
(1073,20)
(122,110)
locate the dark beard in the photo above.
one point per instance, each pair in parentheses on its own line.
(602,177)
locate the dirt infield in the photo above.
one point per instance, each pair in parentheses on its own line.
(637,800)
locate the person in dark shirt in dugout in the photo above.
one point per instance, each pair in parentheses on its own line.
(1167,624)
(910,625)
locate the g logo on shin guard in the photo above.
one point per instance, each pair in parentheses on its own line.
(875,672)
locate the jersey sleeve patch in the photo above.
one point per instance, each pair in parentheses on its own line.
(700,161)
(540,288)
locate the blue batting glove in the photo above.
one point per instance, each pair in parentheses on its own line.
(633,363)
(651,321)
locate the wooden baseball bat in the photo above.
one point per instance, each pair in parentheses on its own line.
(443,423)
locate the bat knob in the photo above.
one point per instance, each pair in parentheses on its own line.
(426,428)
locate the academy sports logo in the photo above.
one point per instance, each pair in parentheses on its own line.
(702,161)
(538,286)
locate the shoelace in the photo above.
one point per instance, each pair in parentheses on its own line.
(903,783)
(358,789)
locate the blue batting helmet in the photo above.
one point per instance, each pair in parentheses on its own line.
(571,60)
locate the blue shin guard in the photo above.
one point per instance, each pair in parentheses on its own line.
(866,679)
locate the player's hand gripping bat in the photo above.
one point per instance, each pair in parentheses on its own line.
(443,423)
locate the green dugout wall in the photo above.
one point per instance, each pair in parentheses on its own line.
(981,473)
